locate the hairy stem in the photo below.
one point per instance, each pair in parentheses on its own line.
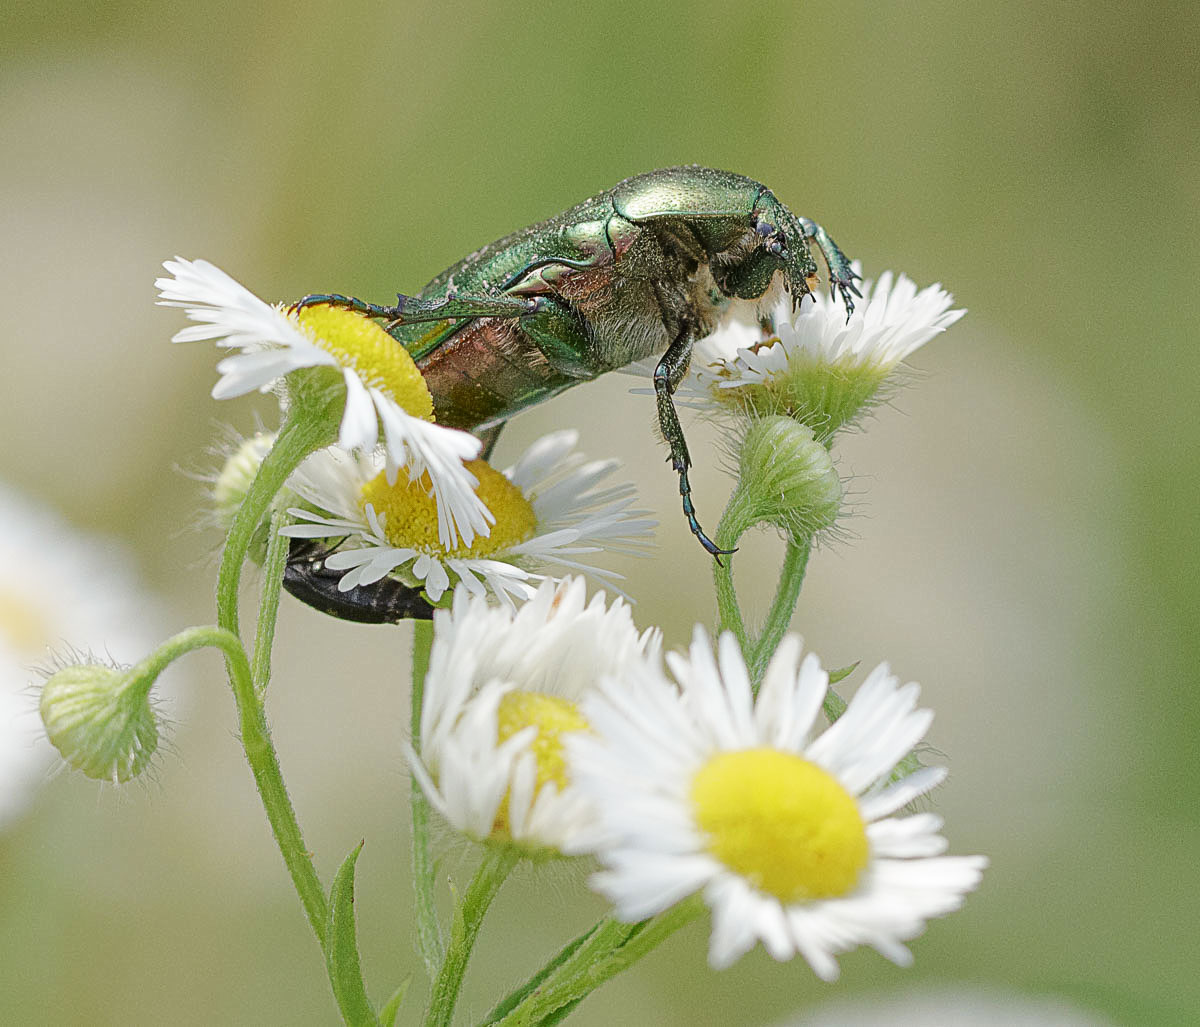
(468,918)
(787,593)
(729,613)
(429,933)
(297,438)
(260,753)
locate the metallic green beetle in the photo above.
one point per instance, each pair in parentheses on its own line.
(640,270)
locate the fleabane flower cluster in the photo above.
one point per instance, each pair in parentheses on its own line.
(813,363)
(385,398)
(501,695)
(790,834)
(551,508)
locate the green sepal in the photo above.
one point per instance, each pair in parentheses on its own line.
(387,1015)
(341,948)
(843,672)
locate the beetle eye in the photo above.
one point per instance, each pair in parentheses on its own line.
(764,229)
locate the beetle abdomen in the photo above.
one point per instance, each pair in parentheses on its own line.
(486,373)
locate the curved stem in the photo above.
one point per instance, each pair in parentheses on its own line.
(260,753)
(429,934)
(590,967)
(787,593)
(468,918)
(297,438)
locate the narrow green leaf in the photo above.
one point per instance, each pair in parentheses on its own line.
(341,949)
(510,1002)
(843,672)
(387,1015)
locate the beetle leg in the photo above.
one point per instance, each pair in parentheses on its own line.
(449,306)
(841,274)
(667,376)
(334,299)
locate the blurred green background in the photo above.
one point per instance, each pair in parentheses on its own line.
(1026,516)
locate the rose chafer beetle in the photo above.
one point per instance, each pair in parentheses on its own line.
(643,269)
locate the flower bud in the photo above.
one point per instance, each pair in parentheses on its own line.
(100,720)
(786,478)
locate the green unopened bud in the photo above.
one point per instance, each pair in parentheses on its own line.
(786,478)
(100,719)
(234,479)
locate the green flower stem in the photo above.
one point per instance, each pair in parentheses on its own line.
(787,593)
(256,741)
(590,966)
(299,436)
(268,607)
(468,918)
(729,613)
(429,933)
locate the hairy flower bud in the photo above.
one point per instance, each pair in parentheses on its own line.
(100,719)
(786,478)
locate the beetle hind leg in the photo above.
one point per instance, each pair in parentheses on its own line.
(334,299)
(667,376)
(447,307)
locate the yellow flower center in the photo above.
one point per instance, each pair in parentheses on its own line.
(21,625)
(781,822)
(553,717)
(364,347)
(412,513)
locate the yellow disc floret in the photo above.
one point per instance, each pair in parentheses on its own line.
(411,513)
(553,717)
(364,347)
(781,822)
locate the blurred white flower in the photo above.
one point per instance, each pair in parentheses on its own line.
(956,1005)
(60,592)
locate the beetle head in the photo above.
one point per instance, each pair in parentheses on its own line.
(777,244)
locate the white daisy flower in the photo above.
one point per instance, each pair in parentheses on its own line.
(789,834)
(383,386)
(551,508)
(502,692)
(962,1005)
(812,363)
(61,591)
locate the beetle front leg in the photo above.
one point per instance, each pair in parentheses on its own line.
(841,274)
(667,376)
